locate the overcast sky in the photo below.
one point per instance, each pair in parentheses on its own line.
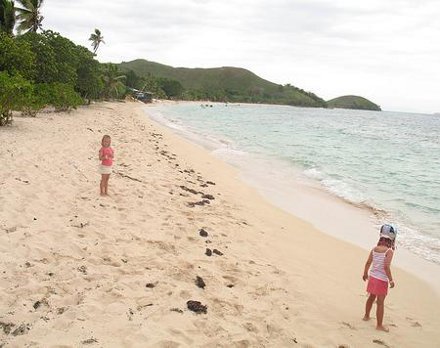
(385,50)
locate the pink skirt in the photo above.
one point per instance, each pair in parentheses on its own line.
(377,287)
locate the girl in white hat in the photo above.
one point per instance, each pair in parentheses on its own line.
(380,277)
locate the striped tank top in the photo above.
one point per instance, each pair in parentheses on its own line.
(378,266)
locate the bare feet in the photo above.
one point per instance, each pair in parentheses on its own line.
(366,318)
(382,328)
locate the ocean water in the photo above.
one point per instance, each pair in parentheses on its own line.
(387,162)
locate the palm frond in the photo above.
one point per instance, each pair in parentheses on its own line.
(29,16)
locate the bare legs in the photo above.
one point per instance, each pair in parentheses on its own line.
(104,184)
(368,306)
(379,311)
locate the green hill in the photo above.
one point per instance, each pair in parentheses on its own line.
(352,102)
(225,84)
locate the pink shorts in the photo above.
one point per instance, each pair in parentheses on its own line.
(377,287)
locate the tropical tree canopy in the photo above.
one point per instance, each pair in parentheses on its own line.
(7,16)
(112,78)
(29,16)
(96,39)
(16,57)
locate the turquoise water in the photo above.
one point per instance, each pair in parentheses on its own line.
(385,161)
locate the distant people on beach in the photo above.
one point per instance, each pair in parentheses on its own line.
(106,155)
(206,106)
(379,275)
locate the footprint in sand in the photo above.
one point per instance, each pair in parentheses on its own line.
(381,343)
(227,308)
(413,322)
(351,327)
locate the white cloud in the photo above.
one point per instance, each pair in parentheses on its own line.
(386,51)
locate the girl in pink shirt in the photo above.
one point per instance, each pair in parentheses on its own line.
(106,154)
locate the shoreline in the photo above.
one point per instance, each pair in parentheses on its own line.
(345,218)
(78,266)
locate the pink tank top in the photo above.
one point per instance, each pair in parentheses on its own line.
(107,151)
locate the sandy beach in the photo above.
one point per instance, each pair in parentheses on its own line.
(78,269)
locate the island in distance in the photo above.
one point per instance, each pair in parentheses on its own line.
(352,102)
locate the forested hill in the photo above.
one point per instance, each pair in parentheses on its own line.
(224,84)
(352,102)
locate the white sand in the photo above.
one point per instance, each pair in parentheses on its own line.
(84,261)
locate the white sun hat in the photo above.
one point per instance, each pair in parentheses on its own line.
(388,231)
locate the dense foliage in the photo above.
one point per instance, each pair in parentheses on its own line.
(7,16)
(14,94)
(45,69)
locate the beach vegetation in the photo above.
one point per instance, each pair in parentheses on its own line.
(113,82)
(7,16)
(34,103)
(66,57)
(45,69)
(172,88)
(134,81)
(59,60)
(89,82)
(62,96)
(45,62)
(29,15)
(16,57)
(14,95)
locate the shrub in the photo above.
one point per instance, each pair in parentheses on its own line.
(60,95)
(15,92)
(34,102)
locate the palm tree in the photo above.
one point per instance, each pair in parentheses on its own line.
(29,15)
(96,39)
(112,78)
(7,16)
